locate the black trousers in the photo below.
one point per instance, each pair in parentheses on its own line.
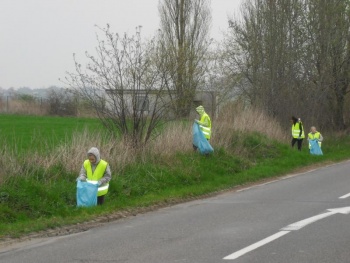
(299,141)
(100,199)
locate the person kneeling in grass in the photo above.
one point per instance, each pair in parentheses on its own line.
(96,171)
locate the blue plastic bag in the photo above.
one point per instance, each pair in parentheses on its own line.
(86,194)
(200,141)
(315,148)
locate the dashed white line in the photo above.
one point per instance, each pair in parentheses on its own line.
(256,245)
(344,196)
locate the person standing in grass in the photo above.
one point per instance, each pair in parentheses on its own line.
(96,171)
(204,123)
(297,132)
(315,135)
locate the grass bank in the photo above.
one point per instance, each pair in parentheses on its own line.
(42,195)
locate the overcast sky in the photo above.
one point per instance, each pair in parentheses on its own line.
(38,37)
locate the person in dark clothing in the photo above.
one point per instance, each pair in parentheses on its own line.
(298,133)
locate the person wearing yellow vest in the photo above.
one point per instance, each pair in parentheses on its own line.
(315,135)
(97,171)
(298,133)
(204,122)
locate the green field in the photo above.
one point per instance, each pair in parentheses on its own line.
(40,132)
(42,198)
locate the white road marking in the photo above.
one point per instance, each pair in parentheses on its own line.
(341,210)
(285,230)
(344,196)
(256,245)
(305,222)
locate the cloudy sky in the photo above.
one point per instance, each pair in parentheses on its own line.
(38,37)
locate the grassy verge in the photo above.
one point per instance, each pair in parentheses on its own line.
(45,198)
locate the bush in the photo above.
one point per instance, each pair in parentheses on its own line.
(62,103)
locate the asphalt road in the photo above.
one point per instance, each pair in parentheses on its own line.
(299,218)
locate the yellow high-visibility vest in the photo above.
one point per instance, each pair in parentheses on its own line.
(296,131)
(93,177)
(313,136)
(205,129)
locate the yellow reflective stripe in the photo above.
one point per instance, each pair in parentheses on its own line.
(103,190)
(296,134)
(104,187)
(92,181)
(296,131)
(206,131)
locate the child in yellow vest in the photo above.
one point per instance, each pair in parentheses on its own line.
(315,135)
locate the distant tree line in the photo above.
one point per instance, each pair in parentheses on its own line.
(52,101)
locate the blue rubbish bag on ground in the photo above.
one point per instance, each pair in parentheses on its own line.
(200,141)
(315,148)
(86,194)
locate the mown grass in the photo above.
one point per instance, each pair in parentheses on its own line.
(45,197)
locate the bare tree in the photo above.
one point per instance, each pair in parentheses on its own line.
(328,29)
(222,77)
(184,37)
(265,46)
(124,86)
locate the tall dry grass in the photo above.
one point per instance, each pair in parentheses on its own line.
(70,155)
(24,107)
(9,162)
(73,153)
(235,117)
(176,137)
